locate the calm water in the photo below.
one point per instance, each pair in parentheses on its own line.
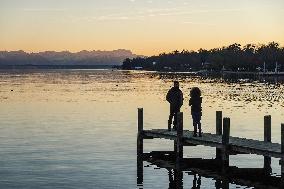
(77,128)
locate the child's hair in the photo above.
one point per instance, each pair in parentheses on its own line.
(195,92)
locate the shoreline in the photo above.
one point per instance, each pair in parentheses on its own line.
(229,76)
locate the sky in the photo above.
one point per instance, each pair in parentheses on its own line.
(146,27)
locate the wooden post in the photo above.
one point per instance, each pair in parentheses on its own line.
(140,132)
(140,148)
(175,146)
(267,138)
(225,142)
(140,171)
(282,153)
(218,132)
(219,122)
(179,139)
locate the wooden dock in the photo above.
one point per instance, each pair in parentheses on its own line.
(236,144)
(225,145)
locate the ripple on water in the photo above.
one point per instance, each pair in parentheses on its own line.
(64,127)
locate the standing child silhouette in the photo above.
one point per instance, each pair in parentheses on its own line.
(196,110)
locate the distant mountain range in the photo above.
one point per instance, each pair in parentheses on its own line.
(66,58)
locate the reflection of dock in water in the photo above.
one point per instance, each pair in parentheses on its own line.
(208,168)
(217,168)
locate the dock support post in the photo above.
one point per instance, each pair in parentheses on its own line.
(225,143)
(140,132)
(267,138)
(282,153)
(179,139)
(140,148)
(218,132)
(175,146)
(140,171)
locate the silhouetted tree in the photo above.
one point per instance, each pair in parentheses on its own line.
(233,57)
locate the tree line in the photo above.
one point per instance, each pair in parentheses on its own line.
(250,57)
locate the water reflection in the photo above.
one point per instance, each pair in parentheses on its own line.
(200,170)
(196,181)
(74,128)
(226,77)
(175,179)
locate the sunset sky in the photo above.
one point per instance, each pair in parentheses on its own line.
(146,27)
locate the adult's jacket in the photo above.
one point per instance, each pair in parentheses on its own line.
(175,97)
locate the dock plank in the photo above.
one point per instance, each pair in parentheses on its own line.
(237,144)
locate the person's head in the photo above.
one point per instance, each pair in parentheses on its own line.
(195,92)
(176,84)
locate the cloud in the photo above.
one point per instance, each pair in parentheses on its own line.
(143,14)
(198,23)
(44,10)
(105,18)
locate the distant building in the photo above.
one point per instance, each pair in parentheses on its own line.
(167,68)
(138,68)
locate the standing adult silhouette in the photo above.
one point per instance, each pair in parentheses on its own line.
(175,98)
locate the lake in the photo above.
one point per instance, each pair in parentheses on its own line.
(78,128)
